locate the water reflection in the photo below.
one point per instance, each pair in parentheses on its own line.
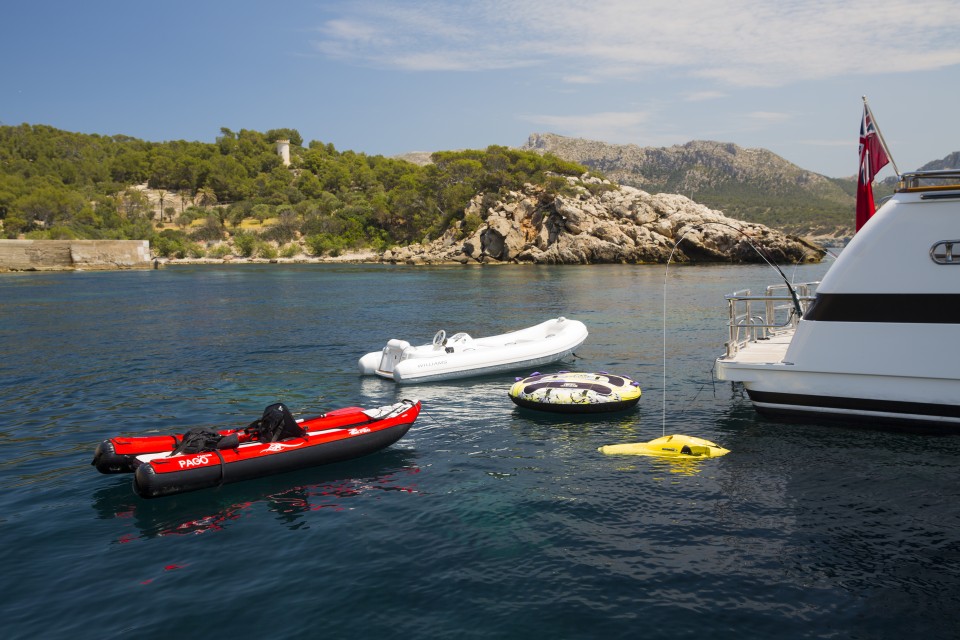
(290,497)
(676,466)
(626,422)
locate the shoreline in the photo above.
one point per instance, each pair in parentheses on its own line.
(364,257)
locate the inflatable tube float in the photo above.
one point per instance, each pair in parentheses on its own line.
(675,446)
(200,459)
(568,392)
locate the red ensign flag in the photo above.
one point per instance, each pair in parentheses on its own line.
(873,157)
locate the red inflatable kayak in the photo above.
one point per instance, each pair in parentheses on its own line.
(165,465)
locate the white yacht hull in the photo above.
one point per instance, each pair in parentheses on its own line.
(880,341)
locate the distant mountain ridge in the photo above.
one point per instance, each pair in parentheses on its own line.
(699,165)
(751,184)
(952,161)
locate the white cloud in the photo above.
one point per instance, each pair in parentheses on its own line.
(700,96)
(582,79)
(734,43)
(768,117)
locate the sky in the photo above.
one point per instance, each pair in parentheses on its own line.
(391,77)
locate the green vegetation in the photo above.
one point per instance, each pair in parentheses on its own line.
(57,184)
(809,212)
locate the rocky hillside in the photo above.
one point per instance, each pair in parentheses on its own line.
(595,221)
(951,161)
(749,184)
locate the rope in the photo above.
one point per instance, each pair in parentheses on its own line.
(764,256)
(429,417)
(666,272)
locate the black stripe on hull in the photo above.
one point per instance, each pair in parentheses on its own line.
(857,408)
(909,308)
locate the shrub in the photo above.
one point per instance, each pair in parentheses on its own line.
(471,222)
(219,251)
(194,250)
(186,218)
(245,243)
(321,243)
(266,250)
(285,229)
(173,244)
(211,229)
(261,212)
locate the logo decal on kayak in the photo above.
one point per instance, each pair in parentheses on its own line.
(279,446)
(357,432)
(197,461)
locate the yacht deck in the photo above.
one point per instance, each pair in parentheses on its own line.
(762,351)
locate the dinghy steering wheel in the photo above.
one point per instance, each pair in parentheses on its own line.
(439,337)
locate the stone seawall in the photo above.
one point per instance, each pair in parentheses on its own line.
(67,255)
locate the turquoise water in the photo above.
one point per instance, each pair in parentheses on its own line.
(485,521)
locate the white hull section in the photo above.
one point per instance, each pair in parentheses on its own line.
(461,356)
(784,389)
(881,372)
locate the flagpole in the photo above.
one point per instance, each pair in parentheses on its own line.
(880,135)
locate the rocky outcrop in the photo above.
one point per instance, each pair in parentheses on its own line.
(595,221)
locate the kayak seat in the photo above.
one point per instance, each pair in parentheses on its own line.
(277,423)
(199,440)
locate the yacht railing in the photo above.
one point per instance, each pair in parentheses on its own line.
(762,317)
(947,179)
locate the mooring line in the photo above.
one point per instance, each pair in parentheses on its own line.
(764,256)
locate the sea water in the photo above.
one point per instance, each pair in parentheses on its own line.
(486,520)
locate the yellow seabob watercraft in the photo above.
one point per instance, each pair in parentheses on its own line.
(674,446)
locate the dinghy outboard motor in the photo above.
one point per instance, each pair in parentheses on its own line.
(391,355)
